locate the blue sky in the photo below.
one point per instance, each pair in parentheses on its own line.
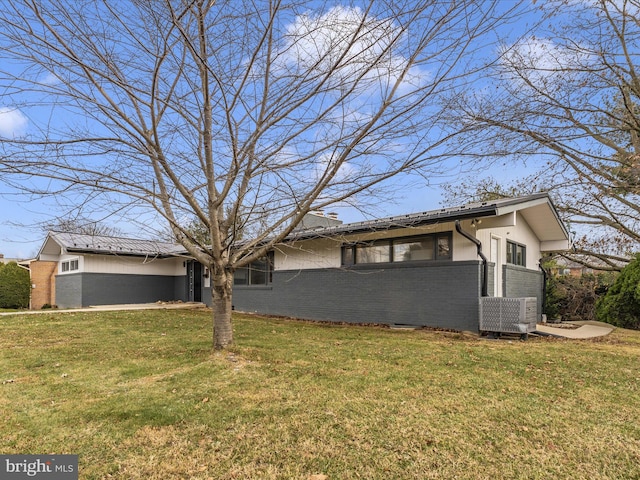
(22,217)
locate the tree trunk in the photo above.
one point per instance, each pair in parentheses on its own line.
(222,327)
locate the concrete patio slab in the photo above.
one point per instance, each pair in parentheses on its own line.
(584,331)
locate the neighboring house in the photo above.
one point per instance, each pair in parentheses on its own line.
(426,269)
(582,265)
(5,260)
(77,270)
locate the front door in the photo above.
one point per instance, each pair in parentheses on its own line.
(194,281)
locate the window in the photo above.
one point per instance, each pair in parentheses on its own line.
(258,272)
(373,253)
(410,249)
(70,265)
(516,254)
(413,249)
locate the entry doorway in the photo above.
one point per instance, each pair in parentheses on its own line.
(194,281)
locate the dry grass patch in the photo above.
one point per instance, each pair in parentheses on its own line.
(140,395)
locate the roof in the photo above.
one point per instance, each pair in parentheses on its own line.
(540,207)
(538,211)
(101,244)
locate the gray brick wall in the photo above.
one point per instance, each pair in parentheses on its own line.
(440,294)
(69,290)
(519,282)
(85,289)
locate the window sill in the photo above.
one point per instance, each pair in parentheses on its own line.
(413,264)
(253,287)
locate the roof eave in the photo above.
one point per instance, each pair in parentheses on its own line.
(393,223)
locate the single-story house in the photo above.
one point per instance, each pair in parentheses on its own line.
(425,269)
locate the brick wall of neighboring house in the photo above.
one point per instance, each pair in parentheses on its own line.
(43,276)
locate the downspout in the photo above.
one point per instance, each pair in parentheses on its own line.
(28,269)
(485,263)
(544,285)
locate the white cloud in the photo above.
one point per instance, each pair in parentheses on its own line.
(49,79)
(347,43)
(325,163)
(13,123)
(542,61)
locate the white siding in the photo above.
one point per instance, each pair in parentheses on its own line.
(326,252)
(318,253)
(133,265)
(519,233)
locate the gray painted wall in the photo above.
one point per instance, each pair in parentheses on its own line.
(69,290)
(437,294)
(85,289)
(519,282)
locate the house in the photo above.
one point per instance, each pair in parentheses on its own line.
(77,270)
(21,262)
(428,268)
(579,265)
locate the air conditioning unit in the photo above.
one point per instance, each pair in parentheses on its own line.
(508,315)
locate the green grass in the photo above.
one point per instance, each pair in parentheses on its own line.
(140,395)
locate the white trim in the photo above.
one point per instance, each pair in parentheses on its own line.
(73,265)
(496,258)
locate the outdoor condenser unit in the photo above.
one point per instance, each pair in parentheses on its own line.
(508,315)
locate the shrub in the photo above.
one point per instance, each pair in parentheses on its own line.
(575,297)
(15,286)
(620,306)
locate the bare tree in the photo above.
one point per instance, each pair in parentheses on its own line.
(244,114)
(81,225)
(567,98)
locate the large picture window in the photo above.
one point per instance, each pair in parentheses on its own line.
(516,254)
(408,249)
(258,272)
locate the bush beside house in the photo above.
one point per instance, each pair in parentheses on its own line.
(15,286)
(575,297)
(620,306)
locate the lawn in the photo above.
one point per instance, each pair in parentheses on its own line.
(140,395)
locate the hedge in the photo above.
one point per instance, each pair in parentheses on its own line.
(15,286)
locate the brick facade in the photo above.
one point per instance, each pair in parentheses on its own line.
(436,294)
(43,282)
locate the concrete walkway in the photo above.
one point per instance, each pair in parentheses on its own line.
(114,308)
(586,330)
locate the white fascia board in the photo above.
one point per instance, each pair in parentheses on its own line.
(506,220)
(503,209)
(48,258)
(554,245)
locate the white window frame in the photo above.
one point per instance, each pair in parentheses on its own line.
(70,265)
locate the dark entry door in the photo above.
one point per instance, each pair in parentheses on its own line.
(194,277)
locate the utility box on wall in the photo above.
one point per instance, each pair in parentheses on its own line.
(508,315)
